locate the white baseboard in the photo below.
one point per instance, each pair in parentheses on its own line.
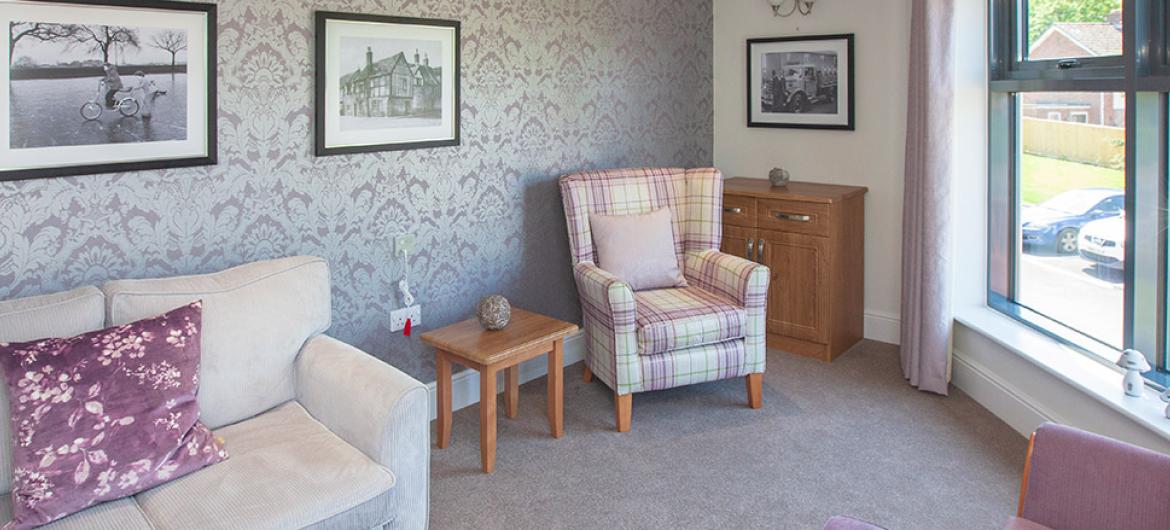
(465,384)
(884,327)
(1012,405)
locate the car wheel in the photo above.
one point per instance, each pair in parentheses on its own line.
(1066,241)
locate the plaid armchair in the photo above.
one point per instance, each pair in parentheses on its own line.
(651,340)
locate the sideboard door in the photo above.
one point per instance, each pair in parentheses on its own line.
(797,303)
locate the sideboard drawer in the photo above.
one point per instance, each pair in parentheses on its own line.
(794,216)
(739,211)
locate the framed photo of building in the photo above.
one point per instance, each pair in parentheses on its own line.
(801,82)
(106,86)
(385,83)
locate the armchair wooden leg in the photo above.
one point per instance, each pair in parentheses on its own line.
(588,376)
(623,406)
(755,390)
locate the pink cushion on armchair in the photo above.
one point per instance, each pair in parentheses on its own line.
(639,249)
(105,415)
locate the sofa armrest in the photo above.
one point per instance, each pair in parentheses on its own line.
(376,408)
(742,280)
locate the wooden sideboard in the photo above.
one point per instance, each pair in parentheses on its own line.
(812,237)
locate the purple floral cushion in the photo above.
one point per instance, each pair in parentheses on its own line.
(105,415)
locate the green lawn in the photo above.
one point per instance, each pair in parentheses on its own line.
(1045,177)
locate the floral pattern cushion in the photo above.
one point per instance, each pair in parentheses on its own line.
(105,415)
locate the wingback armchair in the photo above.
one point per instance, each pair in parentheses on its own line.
(652,340)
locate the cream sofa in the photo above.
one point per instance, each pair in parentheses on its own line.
(320,434)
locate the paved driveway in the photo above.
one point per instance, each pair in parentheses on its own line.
(1073,291)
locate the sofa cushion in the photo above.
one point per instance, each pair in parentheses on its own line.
(105,414)
(286,471)
(671,319)
(53,315)
(256,317)
(122,514)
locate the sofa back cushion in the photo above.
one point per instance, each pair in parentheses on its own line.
(256,317)
(57,315)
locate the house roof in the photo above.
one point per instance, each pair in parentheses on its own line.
(1096,38)
(430,75)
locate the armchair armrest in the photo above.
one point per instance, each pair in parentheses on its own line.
(611,332)
(604,295)
(741,280)
(376,408)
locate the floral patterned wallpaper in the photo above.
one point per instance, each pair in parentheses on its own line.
(549,87)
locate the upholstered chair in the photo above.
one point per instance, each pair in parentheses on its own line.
(1077,480)
(638,341)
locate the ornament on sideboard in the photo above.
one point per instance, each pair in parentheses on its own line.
(1165,397)
(493,312)
(1134,364)
(778,176)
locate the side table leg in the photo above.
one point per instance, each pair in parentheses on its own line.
(512,390)
(556,389)
(487,420)
(443,382)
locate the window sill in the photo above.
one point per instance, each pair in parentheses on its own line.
(1074,368)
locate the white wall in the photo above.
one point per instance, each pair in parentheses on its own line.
(870,156)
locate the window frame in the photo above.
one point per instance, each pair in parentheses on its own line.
(1142,74)
(1015,64)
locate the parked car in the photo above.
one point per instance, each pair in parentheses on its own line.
(1055,223)
(1103,242)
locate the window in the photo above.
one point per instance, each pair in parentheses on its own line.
(1063,29)
(1079,141)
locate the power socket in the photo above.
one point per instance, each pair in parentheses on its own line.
(398,317)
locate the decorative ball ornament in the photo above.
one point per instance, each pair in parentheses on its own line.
(494,312)
(778,176)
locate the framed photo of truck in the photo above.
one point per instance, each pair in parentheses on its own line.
(803,82)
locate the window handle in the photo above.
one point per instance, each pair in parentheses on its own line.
(1068,64)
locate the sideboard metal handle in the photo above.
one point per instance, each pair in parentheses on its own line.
(751,249)
(759,251)
(792,217)
(732,210)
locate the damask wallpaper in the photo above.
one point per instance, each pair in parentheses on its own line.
(549,87)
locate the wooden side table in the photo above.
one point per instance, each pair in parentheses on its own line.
(527,336)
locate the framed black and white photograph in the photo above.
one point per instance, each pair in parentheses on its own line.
(106,86)
(801,82)
(386,83)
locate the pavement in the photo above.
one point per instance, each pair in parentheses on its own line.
(1074,291)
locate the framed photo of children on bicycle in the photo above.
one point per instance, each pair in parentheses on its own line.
(106,86)
(385,83)
(801,82)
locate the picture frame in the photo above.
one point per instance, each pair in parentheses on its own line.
(385,83)
(803,82)
(107,86)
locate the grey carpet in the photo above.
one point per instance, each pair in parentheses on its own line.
(844,438)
